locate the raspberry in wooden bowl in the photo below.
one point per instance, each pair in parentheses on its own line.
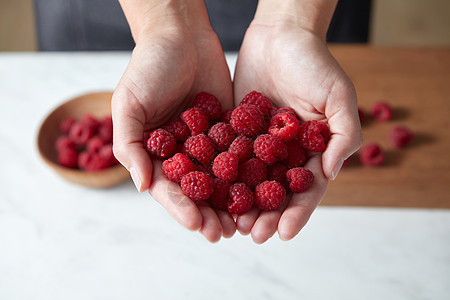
(75,140)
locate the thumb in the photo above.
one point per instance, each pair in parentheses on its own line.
(346,138)
(128,137)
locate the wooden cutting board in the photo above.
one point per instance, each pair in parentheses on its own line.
(416,82)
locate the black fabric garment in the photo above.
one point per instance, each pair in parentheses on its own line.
(90,25)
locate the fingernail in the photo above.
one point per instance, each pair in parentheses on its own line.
(336,169)
(136,179)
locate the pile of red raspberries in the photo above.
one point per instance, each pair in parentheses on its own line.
(234,159)
(86,144)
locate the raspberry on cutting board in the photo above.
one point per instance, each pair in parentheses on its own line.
(371,155)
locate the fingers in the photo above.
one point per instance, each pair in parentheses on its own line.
(227,222)
(302,205)
(170,196)
(128,120)
(245,222)
(342,113)
(211,226)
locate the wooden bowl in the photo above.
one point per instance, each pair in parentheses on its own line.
(96,104)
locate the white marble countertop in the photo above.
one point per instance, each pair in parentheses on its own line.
(63,241)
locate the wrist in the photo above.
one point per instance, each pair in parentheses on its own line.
(313,16)
(150,17)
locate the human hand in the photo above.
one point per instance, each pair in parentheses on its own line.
(292,66)
(177,55)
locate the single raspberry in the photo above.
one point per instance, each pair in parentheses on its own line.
(222,135)
(68,157)
(381,111)
(64,142)
(107,153)
(81,133)
(219,196)
(242,146)
(178,129)
(92,162)
(269,195)
(279,110)
(314,136)
(277,172)
(299,179)
(161,143)
(197,185)
(200,147)
(296,155)
(105,131)
(240,198)
(252,172)
(209,104)
(259,100)
(196,120)
(95,144)
(177,166)
(66,124)
(90,121)
(226,116)
(247,120)
(269,149)
(362,115)
(401,136)
(225,166)
(371,155)
(284,126)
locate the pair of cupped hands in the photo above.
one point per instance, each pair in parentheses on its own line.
(288,64)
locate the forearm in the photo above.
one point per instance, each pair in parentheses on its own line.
(312,15)
(146,16)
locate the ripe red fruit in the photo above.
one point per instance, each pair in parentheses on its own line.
(299,179)
(64,142)
(95,144)
(209,104)
(401,136)
(252,172)
(225,166)
(259,100)
(242,146)
(161,143)
(200,147)
(222,135)
(371,155)
(382,111)
(269,195)
(277,172)
(296,155)
(278,110)
(314,136)
(66,124)
(178,129)
(91,122)
(219,196)
(196,120)
(226,116)
(177,166)
(284,126)
(197,185)
(68,157)
(240,198)
(269,149)
(92,162)
(80,133)
(105,131)
(247,120)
